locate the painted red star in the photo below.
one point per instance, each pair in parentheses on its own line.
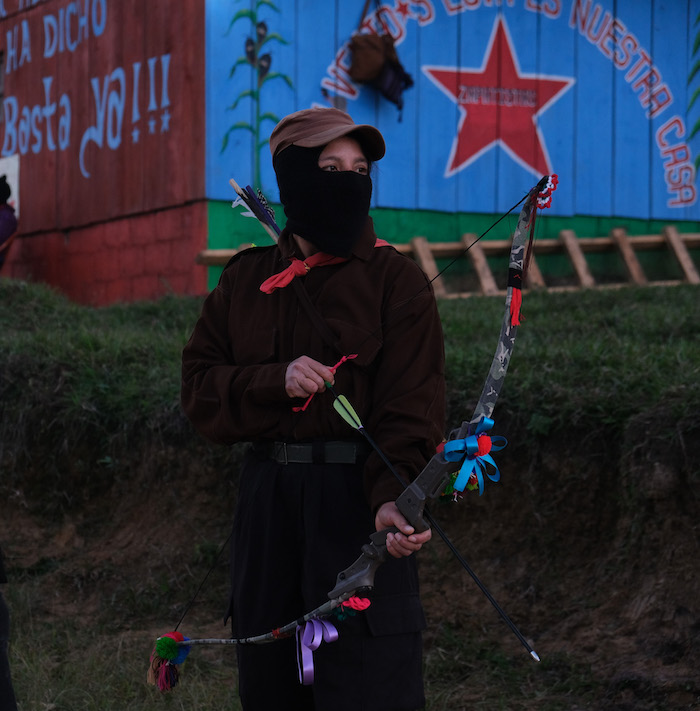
(499,105)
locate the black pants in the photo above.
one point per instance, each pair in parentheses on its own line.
(296,527)
(7,695)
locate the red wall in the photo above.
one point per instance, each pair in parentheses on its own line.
(104,110)
(135,258)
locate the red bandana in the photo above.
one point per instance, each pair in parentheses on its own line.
(299,268)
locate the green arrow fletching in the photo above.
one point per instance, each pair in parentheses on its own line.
(347,412)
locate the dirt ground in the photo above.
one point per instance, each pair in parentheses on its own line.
(593,559)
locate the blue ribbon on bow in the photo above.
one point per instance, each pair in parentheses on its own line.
(456,449)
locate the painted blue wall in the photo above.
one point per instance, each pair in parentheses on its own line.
(505,90)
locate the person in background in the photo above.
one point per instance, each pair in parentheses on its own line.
(7,694)
(8,220)
(330,303)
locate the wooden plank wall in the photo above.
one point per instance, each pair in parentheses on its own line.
(103,102)
(103,108)
(504,92)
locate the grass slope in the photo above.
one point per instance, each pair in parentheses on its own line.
(112,509)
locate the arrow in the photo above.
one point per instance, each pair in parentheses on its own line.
(343,407)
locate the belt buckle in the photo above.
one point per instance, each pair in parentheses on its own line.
(286,457)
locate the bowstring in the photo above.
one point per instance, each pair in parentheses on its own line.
(476,239)
(192,600)
(450,264)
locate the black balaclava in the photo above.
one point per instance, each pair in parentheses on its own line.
(327,208)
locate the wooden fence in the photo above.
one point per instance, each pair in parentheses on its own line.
(574,249)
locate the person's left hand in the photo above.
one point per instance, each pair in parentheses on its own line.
(406,541)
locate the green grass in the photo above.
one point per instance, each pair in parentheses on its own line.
(590,360)
(60,665)
(587,358)
(471,674)
(89,403)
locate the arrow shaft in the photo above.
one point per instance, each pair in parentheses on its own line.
(417,522)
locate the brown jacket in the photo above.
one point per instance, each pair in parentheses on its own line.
(379,304)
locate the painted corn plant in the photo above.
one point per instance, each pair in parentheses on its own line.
(260,63)
(693,72)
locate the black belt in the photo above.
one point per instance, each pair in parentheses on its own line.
(321,452)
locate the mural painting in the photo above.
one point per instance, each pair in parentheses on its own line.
(122,121)
(101,111)
(603,93)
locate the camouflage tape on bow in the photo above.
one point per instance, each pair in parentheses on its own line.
(463,441)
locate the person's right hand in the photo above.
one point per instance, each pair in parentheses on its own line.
(306,376)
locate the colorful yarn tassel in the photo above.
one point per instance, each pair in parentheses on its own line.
(166,656)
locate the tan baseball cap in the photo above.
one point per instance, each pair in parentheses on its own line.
(310,128)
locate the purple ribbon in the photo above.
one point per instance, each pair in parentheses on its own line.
(309,638)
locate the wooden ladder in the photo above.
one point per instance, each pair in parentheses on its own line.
(575,248)
(568,244)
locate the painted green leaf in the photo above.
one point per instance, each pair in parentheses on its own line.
(274,36)
(277,75)
(695,130)
(239,15)
(241,125)
(693,99)
(270,4)
(239,61)
(244,94)
(267,116)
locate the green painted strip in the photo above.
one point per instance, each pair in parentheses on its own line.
(228,229)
